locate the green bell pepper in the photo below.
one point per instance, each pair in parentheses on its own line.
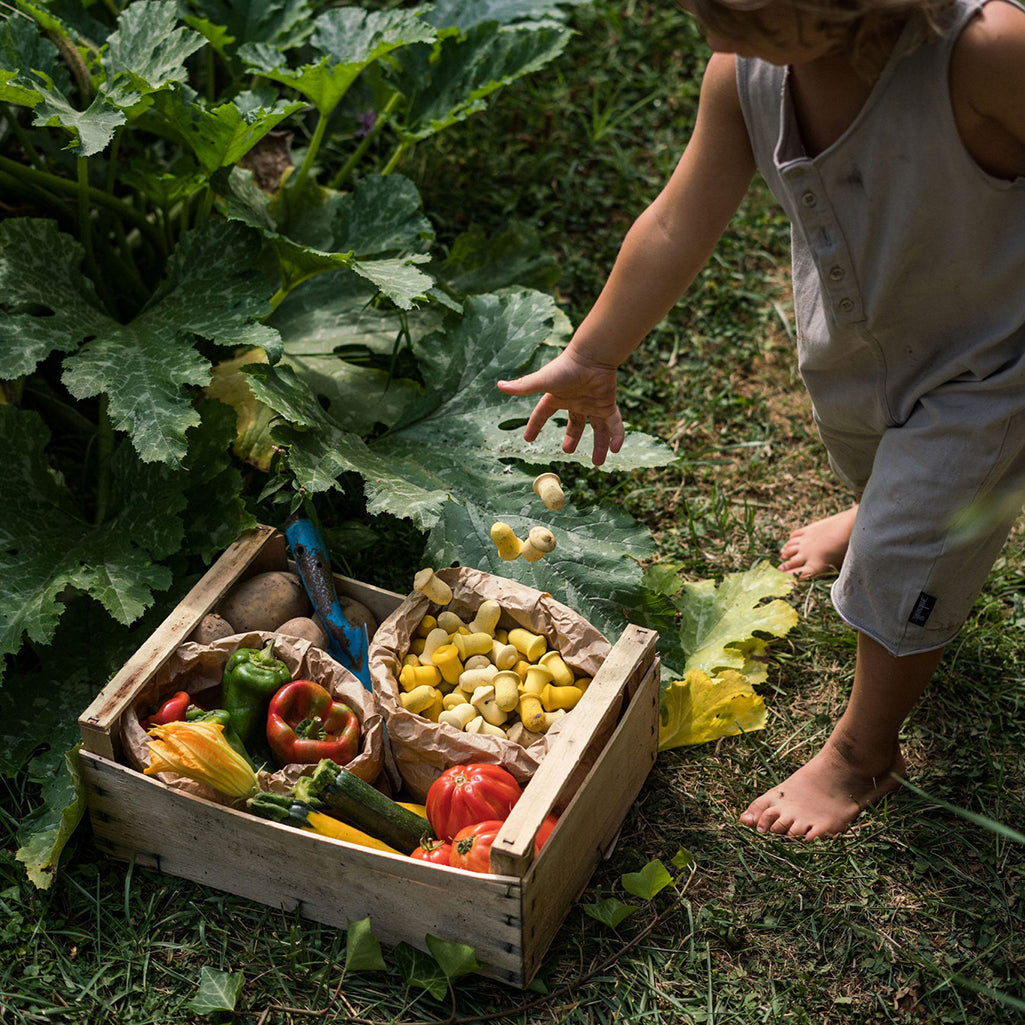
(221,716)
(251,678)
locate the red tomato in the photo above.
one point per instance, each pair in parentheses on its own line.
(471,847)
(542,834)
(465,794)
(435,851)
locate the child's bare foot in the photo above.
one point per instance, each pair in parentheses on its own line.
(823,797)
(819,548)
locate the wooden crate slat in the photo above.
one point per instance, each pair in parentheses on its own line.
(326,880)
(592,822)
(98,723)
(626,664)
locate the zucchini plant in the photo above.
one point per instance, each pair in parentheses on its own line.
(211,268)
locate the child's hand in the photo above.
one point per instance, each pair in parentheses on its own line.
(587,391)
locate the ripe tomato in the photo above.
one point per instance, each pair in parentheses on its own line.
(542,834)
(466,794)
(436,851)
(471,846)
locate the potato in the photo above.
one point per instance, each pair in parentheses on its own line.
(306,628)
(211,628)
(264,601)
(357,614)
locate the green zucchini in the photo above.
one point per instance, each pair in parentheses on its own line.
(343,794)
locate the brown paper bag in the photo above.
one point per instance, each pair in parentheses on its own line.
(198,668)
(424,749)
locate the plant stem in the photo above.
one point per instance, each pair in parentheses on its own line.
(55,183)
(311,153)
(382,119)
(105,449)
(20,134)
(400,151)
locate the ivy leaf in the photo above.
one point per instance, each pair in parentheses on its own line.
(347,40)
(610,912)
(447,82)
(147,52)
(362,949)
(700,708)
(420,969)
(217,991)
(648,882)
(454,959)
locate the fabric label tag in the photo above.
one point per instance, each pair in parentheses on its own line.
(923,606)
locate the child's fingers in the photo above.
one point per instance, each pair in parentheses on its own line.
(539,416)
(526,385)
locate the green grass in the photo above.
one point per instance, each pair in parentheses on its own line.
(913,916)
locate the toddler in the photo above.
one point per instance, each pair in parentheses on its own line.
(893,134)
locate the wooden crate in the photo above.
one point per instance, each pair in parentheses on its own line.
(509,916)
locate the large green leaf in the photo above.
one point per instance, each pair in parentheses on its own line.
(444,469)
(49,546)
(594,568)
(321,232)
(22,51)
(346,40)
(144,367)
(465,415)
(46,304)
(464,14)
(447,82)
(283,23)
(147,51)
(334,312)
(220,135)
(89,130)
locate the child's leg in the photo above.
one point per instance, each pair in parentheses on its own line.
(853,769)
(818,548)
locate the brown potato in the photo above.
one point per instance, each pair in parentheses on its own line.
(357,614)
(212,627)
(264,601)
(307,628)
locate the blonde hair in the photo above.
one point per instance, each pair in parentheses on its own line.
(861,21)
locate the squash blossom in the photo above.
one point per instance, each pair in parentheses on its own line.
(199,751)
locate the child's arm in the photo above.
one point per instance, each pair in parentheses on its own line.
(987,86)
(660,257)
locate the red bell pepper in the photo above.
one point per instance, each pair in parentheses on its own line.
(306,725)
(172,710)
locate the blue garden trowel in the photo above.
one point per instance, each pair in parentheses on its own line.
(347,644)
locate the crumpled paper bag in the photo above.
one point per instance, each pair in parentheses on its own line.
(198,668)
(423,749)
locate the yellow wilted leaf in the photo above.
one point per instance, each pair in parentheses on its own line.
(700,708)
(228,384)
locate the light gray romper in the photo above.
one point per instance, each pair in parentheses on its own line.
(909,289)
